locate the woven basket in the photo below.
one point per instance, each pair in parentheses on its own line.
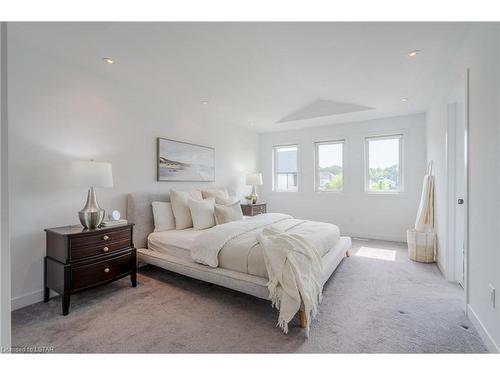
(421,246)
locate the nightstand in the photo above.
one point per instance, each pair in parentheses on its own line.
(254,209)
(79,258)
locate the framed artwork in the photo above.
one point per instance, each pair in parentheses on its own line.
(181,161)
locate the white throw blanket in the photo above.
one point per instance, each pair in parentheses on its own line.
(207,246)
(291,251)
(425,214)
(294,269)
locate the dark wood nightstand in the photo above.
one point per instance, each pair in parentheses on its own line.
(79,258)
(254,209)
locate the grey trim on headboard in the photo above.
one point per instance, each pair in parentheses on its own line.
(140,213)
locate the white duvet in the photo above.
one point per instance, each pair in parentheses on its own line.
(278,247)
(235,245)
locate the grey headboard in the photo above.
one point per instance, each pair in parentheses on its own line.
(140,213)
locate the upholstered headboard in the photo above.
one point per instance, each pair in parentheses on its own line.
(140,213)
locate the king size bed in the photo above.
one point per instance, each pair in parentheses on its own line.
(229,255)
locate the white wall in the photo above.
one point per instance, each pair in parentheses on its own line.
(5,334)
(60,113)
(479,53)
(354,211)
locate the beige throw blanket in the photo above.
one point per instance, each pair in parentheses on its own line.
(294,269)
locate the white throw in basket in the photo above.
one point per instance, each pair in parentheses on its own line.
(422,239)
(421,246)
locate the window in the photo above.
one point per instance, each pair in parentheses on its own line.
(285,160)
(383,164)
(329,166)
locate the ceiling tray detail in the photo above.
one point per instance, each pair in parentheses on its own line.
(323,108)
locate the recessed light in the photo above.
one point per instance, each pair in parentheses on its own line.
(204,102)
(108,60)
(413,53)
(404,100)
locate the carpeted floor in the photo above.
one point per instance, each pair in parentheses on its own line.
(377,301)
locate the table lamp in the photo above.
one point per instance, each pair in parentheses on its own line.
(254,179)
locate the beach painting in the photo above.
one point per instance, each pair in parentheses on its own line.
(180,161)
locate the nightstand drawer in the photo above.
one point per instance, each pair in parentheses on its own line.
(253,209)
(257,210)
(100,272)
(99,240)
(98,249)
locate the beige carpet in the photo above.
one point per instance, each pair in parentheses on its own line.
(377,301)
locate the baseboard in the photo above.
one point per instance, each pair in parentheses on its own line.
(376,236)
(28,299)
(483,333)
(442,270)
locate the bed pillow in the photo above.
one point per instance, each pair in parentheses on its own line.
(202,213)
(180,207)
(225,214)
(163,216)
(222,193)
(226,201)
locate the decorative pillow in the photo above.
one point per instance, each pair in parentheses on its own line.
(180,208)
(225,214)
(202,213)
(163,216)
(226,201)
(222,193)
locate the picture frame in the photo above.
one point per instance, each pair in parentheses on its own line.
(183,161)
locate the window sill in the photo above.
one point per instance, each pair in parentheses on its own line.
(385,193)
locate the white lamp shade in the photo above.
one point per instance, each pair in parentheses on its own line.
(254,179)
(91,173)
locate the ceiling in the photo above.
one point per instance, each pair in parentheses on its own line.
(264,76)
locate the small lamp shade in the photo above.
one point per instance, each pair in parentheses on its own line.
(92,174)
(254,179)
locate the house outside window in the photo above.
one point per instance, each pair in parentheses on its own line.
(285,168)
(329,166)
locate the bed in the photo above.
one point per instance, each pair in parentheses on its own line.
(240,267)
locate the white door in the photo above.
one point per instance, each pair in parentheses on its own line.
(459,191)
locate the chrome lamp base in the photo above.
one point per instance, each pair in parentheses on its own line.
(254,195)
(91,215)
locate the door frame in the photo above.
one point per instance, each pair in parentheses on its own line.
(451,196)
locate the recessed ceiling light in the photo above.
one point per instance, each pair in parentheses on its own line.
(204,102)
(404,100)
(414,53)
(108,60)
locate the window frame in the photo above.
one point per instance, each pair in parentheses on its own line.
(400,137)
(316,165)
(274,170)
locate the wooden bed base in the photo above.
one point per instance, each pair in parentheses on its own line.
(302,318)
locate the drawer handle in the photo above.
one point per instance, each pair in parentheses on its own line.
(105,237)
(106,270)
(105,249)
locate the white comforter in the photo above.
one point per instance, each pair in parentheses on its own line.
(207,247)
(235,245)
